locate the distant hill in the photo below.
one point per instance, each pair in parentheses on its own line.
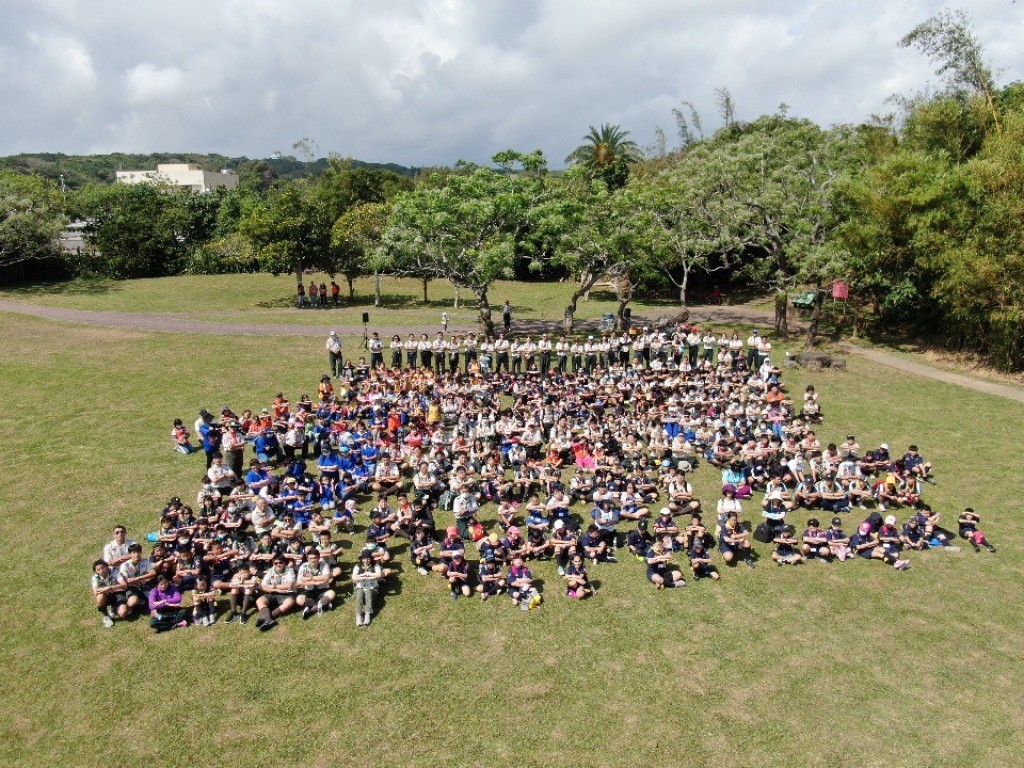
(79,170)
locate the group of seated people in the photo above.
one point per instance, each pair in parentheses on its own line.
(569,466)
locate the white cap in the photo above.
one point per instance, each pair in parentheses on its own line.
(890,520)
(664,511)
(559,525)
(884,446)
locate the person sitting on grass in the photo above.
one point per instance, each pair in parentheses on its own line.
(638,541)
(452,545)
(313,579)
(838,541)
(912,535)
(865,543)
(278,598)
(814,541)
(458,576)
(914,463)
(366,578)
(520,586)
(787,547)
(577,582)
(889,534)
(490,577)
(109,593)
(165,609)
(734,541)
(700,561)
(204,602)
(181,438)
(137,576)
(968,523)
(660,570)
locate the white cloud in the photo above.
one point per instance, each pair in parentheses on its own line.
(430,81)
(146,82)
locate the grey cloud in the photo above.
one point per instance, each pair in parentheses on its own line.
(431,82)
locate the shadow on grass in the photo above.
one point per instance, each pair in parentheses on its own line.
(81,287)
(387,301)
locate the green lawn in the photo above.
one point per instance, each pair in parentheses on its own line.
(267,299)
(849,664)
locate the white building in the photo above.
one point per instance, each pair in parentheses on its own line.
(184,175)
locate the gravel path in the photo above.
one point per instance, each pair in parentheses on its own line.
(737,315)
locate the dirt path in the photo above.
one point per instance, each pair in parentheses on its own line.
(736,315)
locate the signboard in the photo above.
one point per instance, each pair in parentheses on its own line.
(840,290)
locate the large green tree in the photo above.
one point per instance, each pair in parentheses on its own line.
(291,231)
(466,230)
(31,218)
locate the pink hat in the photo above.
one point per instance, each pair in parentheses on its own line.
(451,530)
(513,531)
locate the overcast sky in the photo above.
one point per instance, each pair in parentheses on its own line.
(424,82)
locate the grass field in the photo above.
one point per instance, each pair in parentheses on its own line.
(849,664)
(267,299)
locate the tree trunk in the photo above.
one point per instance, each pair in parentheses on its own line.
(682,287)
(458,296)
(376,288)
(781,320)
(486,323)
(624,293)
(425,281)
(351,286)
(587,281)
(812,329)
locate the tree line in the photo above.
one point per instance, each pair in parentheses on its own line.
(920,213)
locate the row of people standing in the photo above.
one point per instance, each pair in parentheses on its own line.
(685,346)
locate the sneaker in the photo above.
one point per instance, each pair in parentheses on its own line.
(110,612)
(483,597)
(243,619)
(661,586)
(212,619)
(561,571)
(991,548)
(307,612)
(422,571)
(611,559)
(108,622)
(268,625)
(181,624)
(750,563)
(366,619)
(455,595)
(260,622)
(902,565)
(232,618)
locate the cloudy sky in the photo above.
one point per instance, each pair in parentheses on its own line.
(423,82)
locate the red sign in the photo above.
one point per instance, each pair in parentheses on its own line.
(840,290)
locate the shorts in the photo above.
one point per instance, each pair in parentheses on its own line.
(276,601)
(315,593)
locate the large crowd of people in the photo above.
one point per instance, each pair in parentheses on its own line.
(469,458)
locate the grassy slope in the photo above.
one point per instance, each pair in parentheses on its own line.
(837,665)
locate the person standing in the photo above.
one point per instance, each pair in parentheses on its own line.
(313,294)
(366,576)
(300,295)
(335,292)
(444,322)
(334,358)
(233,447)
(323,294)
(506,315)
(376,347)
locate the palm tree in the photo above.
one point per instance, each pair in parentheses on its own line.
(607,153)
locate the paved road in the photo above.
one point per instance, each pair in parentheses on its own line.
(738,315)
